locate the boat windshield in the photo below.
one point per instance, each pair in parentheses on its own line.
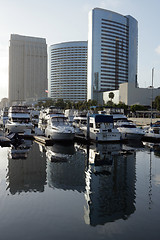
(59,120)
(21,120)
(128,126)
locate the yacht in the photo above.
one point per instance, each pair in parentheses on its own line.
(45,114)
(18,120)
(58,128)
(3,116)
(101,128)
(152,132)
(79,121)
(129,130)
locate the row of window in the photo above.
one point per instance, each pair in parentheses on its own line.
(113,43)
(114,22)
(114,30)
(120,71)
(114,27)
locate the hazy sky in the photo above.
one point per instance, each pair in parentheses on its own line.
(67,20)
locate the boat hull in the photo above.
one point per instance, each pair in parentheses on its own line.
(104,136)
(18,128)
(131,134)
(59,136)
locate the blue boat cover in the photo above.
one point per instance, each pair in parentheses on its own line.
(99,118)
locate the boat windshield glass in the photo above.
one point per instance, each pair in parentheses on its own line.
(59,120)
(21,120)
(98,125)
(128,126)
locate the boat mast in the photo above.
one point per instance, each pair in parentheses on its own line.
(152,95)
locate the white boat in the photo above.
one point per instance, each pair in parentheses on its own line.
(58,128)
(3,116)
(34,117)
(127,128)
(18,120)
(45,114)
(152,132)
(79,122)
(101,128)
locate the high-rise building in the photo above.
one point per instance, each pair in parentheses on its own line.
(112,52)
(68,71)
(27,68)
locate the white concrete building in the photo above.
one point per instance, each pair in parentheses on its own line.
(112,52)
(27,68)
(130,95)
(68,71)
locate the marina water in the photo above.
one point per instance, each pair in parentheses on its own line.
(101,191)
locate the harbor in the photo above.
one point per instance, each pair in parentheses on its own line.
(86,173)
(86,190)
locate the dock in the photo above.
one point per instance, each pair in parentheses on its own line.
(44,140)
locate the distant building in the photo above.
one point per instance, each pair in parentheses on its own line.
(4,103)
(68,71)
(130,95)
(112,52)
(27,68)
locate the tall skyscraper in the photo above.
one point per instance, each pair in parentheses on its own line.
(112,52)
(27,68)
(68,71)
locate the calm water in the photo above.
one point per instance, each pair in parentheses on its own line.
(108,191)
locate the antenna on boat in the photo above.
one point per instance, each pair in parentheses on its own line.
(152,95)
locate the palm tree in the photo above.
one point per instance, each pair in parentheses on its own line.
(111,95)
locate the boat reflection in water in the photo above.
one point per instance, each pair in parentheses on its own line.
(110,184)
(59,152)
(20,150)
(100,157)
(65,167)
(29,174)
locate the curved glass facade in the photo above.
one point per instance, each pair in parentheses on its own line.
(112,51)
(68,71)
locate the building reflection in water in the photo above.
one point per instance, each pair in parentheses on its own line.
(110,184)
(26,168)
(65,167)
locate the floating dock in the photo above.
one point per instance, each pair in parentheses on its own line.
(44,140)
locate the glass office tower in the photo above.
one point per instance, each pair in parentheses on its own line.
(68,71)
(112,52)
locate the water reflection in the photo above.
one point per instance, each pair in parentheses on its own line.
(65,167)
(110,186)
(19,150)
(105,173)
(26,174)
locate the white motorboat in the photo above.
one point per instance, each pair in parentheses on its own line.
(79,122)
(58,128)
(45,114)
(34,117)
(152,132)
(127,128)
(3,116)
(101,129)
(18,120)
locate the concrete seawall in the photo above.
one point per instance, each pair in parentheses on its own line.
(143,121)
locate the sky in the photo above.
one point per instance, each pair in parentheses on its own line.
(67,20)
